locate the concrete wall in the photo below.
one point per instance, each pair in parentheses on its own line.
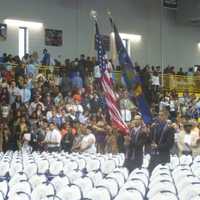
(164,41)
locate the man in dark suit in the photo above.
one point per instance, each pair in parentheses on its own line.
(137,140)
(162,140)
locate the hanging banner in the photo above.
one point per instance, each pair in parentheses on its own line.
(170,4)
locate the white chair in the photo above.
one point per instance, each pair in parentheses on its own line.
(111,184)
(56,168)
(60,182)
(30,169)
(185,159)
(73,175)
(118,176)
(81,163)
(185,181)
(4,188)
(108,166)
(96,177)
(4,168)
(43,166)
(160,187)
(92,165)
(136,184)
(37,180)
(124,171)
(18,177)
(190,191)
(21,187)
(99,193)
(85,184)
(69,166)
(129,195)
(1,196)
(15,168)
(42,191)
(70,193)
(196,198)
(164,196)
(142,177)
(20,196)
(160,179)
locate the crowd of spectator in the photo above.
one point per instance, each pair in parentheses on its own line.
(68,111)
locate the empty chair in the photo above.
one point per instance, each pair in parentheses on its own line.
(164,195)
(96,177)
(70,193)
(4,188)
(4,168)
(118,176)
(30,169)
(185,159)
(99,193)
(195,198)
(69,166)
(85,184)
(1,196)
(161,187)
(15,168)
(55,168)
(60,182)
(140,176)
(92,165)
(135,184)
(22,186)
(111,184)
(122,170)
(18,177)
(37,180)
(20,196)
(129,195)
(52,197)
(73,175)
(108,166)
(43,166)
(190,191)
(42,191)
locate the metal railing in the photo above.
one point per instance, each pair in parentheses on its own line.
(170,82)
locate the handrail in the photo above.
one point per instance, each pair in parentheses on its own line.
(170,81)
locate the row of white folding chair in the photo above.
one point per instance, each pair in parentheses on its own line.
(136,186)
(161,184)
(187,184)
(19,180)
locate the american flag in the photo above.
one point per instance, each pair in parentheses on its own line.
(106,82)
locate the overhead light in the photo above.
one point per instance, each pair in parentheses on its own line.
(20,23)
(198,45)
(132,37)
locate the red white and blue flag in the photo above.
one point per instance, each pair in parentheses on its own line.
(106,82)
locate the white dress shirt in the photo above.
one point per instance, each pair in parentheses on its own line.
(54,137)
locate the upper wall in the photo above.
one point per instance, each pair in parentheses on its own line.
(163,40)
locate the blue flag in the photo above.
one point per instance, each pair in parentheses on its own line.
(131,77)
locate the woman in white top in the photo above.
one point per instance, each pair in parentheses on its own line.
(88,142)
